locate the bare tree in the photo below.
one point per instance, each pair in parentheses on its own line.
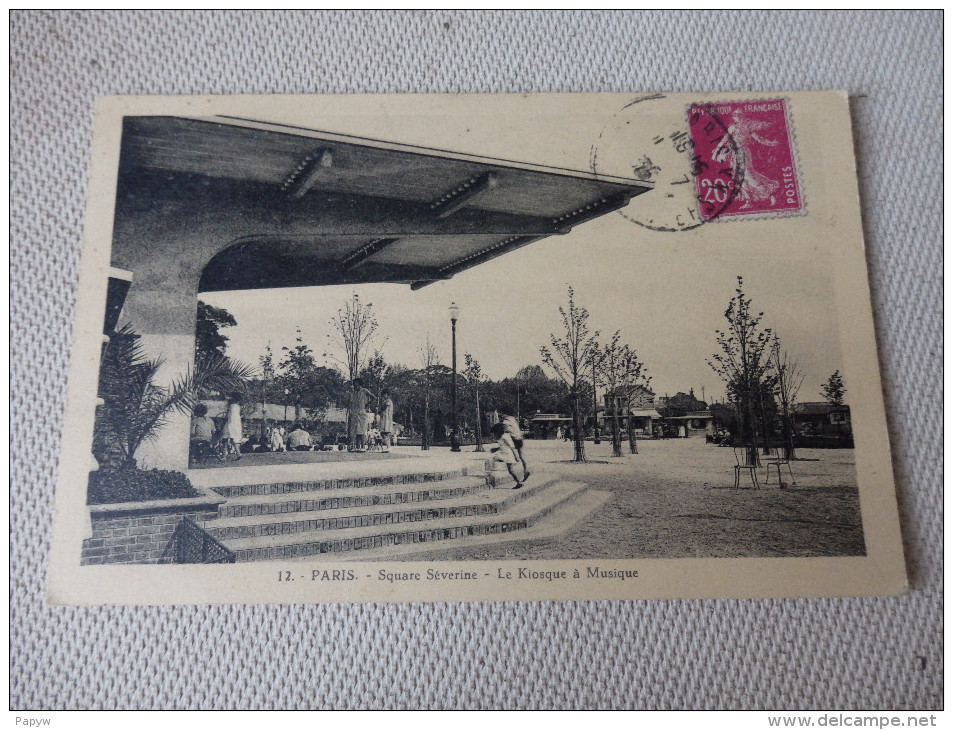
(352,330)
(569,356)
(744,363)
(611,365)
(790,378)
(430,362)
(634,379)
(621,372)
(267,364)
(474,375)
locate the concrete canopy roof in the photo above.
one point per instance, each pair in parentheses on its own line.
(298,207)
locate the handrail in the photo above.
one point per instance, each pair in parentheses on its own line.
(192,544)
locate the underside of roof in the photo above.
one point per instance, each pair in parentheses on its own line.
(331,209)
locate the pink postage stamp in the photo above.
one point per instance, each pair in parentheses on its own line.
(743,159)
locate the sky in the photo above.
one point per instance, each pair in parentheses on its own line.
(665,292)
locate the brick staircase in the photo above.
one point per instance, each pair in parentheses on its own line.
(386,516)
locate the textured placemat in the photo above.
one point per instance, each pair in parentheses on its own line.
(870,653)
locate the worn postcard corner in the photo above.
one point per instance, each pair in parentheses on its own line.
(422,348)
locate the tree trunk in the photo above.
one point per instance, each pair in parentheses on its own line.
(479,425)
(788,433)
(616,429)
(633,449)
(425,434)
(765,437)
(750,441)
(580,446)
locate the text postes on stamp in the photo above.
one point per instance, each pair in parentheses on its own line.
(743,159)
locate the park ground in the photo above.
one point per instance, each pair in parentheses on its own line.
(675,499)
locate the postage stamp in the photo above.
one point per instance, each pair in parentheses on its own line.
(401,348)
(658,143)
(743,159)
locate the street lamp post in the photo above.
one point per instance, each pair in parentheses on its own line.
(455,428)
(286,405)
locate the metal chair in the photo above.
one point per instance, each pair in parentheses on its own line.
(744,455)
(202,452)
(776,458)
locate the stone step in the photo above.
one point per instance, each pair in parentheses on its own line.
(555,525)
(334,499)
(313,517)
(302,544)
(346,483)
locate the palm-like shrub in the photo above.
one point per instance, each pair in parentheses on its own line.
(135,409)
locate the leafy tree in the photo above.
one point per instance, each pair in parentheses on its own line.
(352,330)
(402,380)
(474,375)
(621,373)
(744,363)
(634,381)
(297,370)
(569,356)
(529,392)
(590,390)
(309,385)
(681,404)
(833,390)
(266,364)
(374,373)
(209,340)
(430,363)
(135,409)
(726,416)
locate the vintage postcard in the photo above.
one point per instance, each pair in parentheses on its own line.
(442,348)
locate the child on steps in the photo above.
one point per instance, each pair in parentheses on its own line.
(505,451)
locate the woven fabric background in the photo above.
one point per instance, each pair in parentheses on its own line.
(769,654)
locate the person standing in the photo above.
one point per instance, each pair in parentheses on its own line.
(299,439)
(512,427)
(276,438)
(505,451)
(357,415)
(202,433)
(234,434)
(386,413)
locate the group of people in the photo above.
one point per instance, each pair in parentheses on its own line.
(721,437)
(206,440)
(366,429)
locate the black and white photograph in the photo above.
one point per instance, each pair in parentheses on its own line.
(459,348)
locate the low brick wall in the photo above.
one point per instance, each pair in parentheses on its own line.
(138,532)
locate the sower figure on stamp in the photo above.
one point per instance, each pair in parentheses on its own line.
(755,185)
